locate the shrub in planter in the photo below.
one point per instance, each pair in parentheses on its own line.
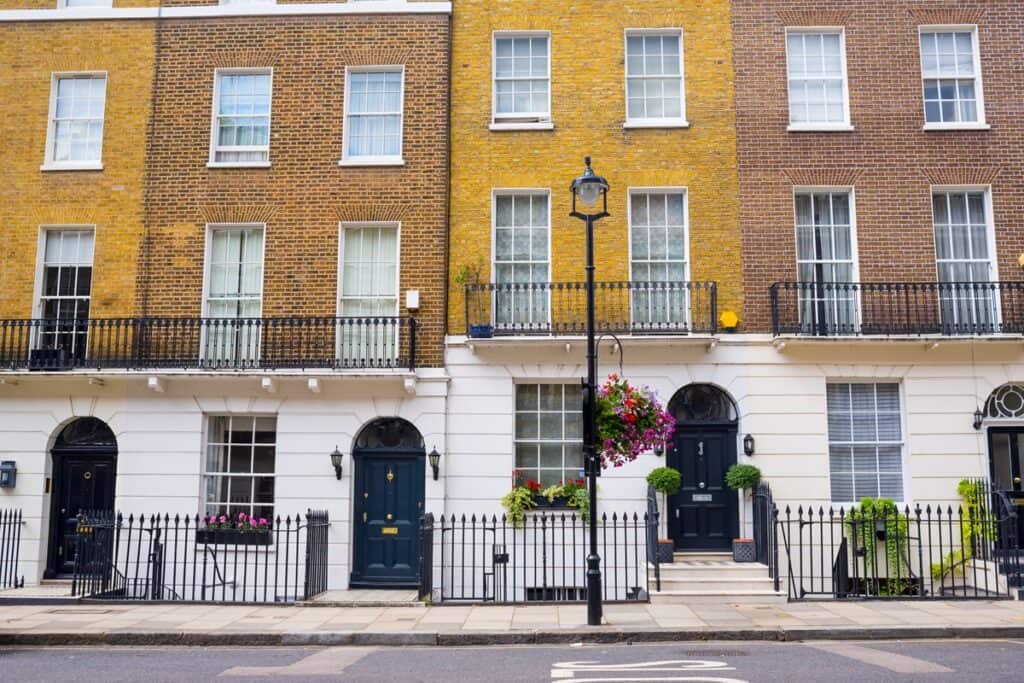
(665,480)
(526,495)
(742,477)
(242,530)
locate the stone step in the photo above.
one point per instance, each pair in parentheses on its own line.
(704,557)
(728,585)
(676,571)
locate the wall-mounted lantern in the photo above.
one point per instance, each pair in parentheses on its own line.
(659,448)
(336,459)
(435,461)
(8,474)
(748,445)
(978,417)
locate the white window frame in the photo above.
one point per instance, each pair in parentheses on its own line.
(990,232)
(386,160)
(37,290)
(215,119)
(495,193)
(854,250)
(51,125)
(979,90)
(681,121)
(845,125)
(904,443)
(350,225)
(557,381)
(207,254)
(683,190)
(501,122)
(205,472)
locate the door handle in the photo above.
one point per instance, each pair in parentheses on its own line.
(677,513)
(364,518)
(702,485)
(390,517)
(1016,480)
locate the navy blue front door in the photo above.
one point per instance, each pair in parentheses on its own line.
(389,491)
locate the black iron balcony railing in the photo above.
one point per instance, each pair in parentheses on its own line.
(827,309)
(560,308)
(333,343)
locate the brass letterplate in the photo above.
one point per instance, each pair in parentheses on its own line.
(389,531)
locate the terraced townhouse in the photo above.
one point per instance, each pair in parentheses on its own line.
(224,274)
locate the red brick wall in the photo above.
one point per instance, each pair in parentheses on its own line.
(304,194)
(888,159)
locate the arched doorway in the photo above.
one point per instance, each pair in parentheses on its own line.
(389,487)
(702,516)
(1004,415)
(84,475)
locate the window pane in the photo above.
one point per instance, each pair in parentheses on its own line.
(865,440)
(547,432)
(230,450)
(816,78)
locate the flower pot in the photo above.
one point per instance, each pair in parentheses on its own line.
(744,550)
(231,537)
(481,331)
(542,501)
(666,552)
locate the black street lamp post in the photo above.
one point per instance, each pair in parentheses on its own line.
(589,189)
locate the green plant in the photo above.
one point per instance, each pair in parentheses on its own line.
(873,517)
(578,498)
(975,528)
(630,421)
(742,477)
(516,502)
(665,480)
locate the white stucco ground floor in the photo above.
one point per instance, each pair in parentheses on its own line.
(829,422)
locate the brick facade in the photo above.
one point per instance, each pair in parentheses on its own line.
(111,199)
(304,195)
(888,159)
(588,111)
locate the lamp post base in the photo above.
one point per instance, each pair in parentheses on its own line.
(594,608)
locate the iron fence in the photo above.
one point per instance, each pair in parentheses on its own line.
(481,558)
(160,557)
(559,308)
(897,308)
(653,533)
(936,552)
(336,343)
(426,590)
(765,540)
(10,548)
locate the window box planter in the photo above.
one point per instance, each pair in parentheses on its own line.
(481,331)
(666,551)
(232,537)
(560,502)
(744,550)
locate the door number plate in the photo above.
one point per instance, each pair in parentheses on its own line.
(389,531)
(702,498)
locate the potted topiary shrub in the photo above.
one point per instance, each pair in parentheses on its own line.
(666,481)
(743,478)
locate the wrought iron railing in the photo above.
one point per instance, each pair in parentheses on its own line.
(559,308)
(376,342)
(10,548)
(653,532)
(934,552)
(179,558)
(897,308)
(485,558)
(765,541)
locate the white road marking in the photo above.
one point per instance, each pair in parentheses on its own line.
(332,660)
(566,671)
(887,660)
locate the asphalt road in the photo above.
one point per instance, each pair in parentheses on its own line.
(723,662)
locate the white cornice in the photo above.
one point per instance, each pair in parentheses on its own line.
(206,11)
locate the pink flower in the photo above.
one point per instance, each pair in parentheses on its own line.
(263,521)
(223,519)
(213,519)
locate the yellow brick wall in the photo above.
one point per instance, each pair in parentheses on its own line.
(588,110)
(111,199)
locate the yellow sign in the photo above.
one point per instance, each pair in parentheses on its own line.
(389,530)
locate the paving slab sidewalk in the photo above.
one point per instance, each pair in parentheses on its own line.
(188,624)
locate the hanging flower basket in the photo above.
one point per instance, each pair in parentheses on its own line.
(630,421)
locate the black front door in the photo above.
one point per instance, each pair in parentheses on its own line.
(702,515)
(388,503)
(82,481)
(1006,451)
